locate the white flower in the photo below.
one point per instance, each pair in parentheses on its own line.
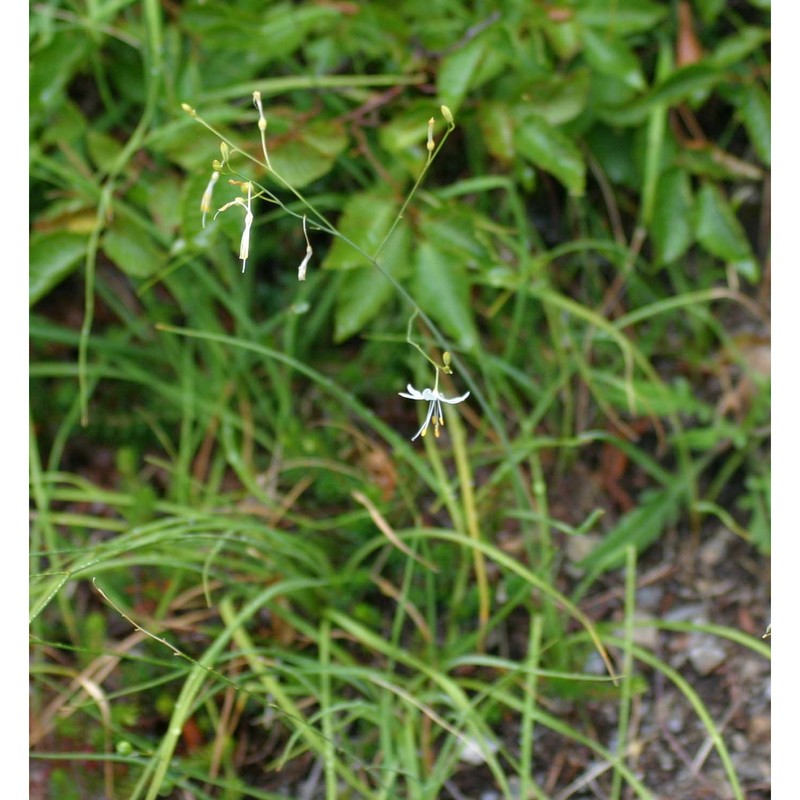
(205,202)
(435,399)
(244,245)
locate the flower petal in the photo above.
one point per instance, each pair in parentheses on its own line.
(454,399)
(412,393)
(424,424)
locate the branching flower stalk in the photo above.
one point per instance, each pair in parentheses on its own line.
(320,222)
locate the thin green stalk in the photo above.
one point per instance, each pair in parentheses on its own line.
(526,787)
(461,455)
(326,704)
(626,679)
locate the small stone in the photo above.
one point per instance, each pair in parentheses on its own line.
(705,653)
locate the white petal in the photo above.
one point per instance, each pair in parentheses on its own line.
(412,393)
(455,399)
(424,424)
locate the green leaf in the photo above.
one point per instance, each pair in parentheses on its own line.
(611,56)
(639,527)
(613,148)
(365,220)
(52,257)
(709,10)
(279,28)
(682,85)
(549,149)
(408,129)
(360,296)
(672,227)
(720,232)
(564,36)
(309,153)
(132,250)
(497,129)
(441,287)
(104,150)
(52,68)
(468,67)
(451,229)
(734,49)
(753,108)
(622,17)
(364,291)
(659,399)
(559,98)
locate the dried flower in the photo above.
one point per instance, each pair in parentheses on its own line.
(244,246)
(205,202)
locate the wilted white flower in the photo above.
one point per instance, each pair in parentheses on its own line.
(244,245)
(301,270)
(205,202)
(434,398)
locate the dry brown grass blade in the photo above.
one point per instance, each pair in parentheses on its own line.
(386,529)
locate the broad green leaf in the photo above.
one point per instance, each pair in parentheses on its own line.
(640,527)
(451,230)
(442,288)
(559,98)
(734,49)
(709,10)
(564,36)
(364,291)
(52,68)
(611,56)
(609,98)
(702,439)
(308,153)
(365,220)
(613,148)
(163,197)
(409,128)
(659,399)
(681,86)
(497,129)
(753,108)
(132,250)
(468,67)
(622,17)
(672,226)
(279,28)
(549,149)
(720,232)
(360,296)
(52,257)
(103,149)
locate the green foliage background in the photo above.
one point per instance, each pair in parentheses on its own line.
(592,245)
